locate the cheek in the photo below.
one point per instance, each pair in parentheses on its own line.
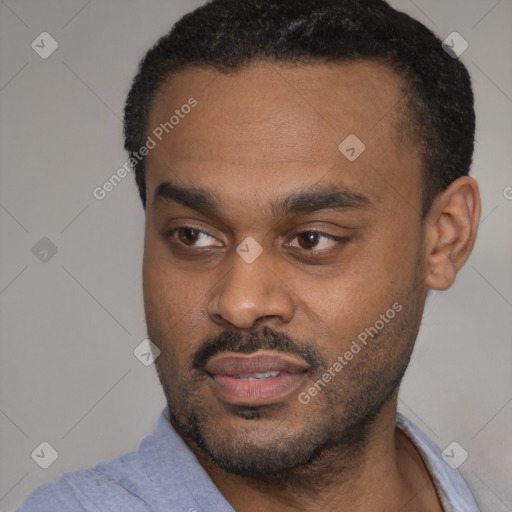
(386,264)
(381,273)
(165,288)
(160,287)
(172,305)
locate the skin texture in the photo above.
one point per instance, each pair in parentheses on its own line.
(256,136)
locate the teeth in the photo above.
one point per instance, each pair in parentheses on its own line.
(258,376)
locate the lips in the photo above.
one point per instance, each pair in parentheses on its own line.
(264,377)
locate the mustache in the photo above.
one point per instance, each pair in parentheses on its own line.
(247,343)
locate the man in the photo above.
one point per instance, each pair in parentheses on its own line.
(303,167)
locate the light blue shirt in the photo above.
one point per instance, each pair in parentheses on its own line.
(165,476)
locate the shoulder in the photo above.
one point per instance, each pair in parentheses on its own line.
(107,486)
(156,475)
(58,495)
(451,488)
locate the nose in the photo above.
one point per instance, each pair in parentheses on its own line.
(250,294)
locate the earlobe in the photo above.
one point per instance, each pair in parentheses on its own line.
(451,228)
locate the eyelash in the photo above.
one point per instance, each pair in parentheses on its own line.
(168,235)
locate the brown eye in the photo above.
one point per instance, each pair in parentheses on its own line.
(191,236)
(317,242)
(188,236)
(308,239)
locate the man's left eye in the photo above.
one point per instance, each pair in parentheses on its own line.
(317,241)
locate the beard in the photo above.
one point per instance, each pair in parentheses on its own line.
(287,443)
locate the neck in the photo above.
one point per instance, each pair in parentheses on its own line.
(385,473)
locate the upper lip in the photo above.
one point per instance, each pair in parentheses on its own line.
(231,363)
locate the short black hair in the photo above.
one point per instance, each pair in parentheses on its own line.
(227,35)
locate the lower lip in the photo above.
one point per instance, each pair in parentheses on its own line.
(256,392)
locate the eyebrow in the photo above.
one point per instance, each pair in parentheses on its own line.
(332,198)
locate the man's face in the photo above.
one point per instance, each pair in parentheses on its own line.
(341,242)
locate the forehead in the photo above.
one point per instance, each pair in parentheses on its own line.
(272,124)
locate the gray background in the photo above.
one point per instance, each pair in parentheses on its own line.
(70,324)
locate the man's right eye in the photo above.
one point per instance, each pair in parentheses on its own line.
(190,236)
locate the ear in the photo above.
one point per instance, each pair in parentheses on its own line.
(450,233)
